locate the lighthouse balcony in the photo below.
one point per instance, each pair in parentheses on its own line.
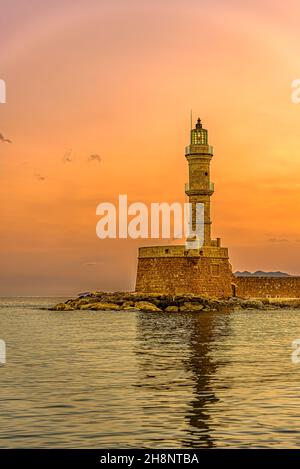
(210,188)
(194,149)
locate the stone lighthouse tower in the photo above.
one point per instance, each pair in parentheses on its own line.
(199,189)
(181,269)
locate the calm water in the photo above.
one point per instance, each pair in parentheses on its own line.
(101,379)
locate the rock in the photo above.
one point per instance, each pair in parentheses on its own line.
(127,303)
(147,306)
(62,307)
(77,303)
(155,302)
(252,304)
(171,309)
(100,307)
(191,307)
(285,303)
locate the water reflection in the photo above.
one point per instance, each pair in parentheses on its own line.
(207,333)
(177,368)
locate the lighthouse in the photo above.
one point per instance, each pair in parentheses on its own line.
(199,189)
(177,268)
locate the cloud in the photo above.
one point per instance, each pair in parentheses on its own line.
(40,177)
(4,140)
(93,264)
(95,157)
(276,240)
(67,158)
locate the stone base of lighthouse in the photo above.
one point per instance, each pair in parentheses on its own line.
(175,270)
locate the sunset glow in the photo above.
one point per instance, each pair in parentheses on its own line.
(98,100)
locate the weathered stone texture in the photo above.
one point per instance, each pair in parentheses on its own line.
(183,275)
(267,287)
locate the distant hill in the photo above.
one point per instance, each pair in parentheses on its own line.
(260,273)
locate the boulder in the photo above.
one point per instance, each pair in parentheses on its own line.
(252,304)
(77,303)
(191,307)
(100,307)
(127,303)
(146,306)
(63,307)
(129,308)
(171,309)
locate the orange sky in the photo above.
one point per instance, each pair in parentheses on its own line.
(118,79)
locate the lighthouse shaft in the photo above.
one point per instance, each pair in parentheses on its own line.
(199,188)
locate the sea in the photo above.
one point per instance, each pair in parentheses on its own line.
(92,379)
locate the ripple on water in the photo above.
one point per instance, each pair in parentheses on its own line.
(110,379)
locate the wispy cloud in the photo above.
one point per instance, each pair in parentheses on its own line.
(39,177)
(93,264)
(4,139)
(278,240)
(95,157)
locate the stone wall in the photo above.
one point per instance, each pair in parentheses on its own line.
(185,275)
(267,287)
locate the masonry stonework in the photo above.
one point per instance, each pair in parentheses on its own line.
(267,287)
(180,275)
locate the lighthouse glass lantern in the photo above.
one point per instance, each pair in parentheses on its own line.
(198,134)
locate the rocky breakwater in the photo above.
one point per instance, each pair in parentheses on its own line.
(156,303)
